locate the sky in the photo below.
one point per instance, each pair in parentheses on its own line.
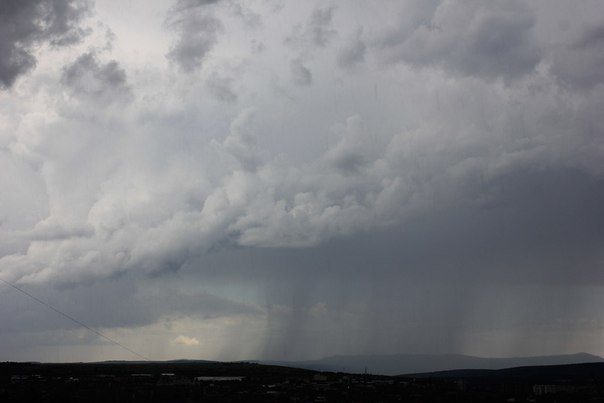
(289,180)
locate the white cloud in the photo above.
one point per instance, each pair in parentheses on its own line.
(186,341)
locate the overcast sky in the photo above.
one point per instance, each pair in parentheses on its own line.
(266,179)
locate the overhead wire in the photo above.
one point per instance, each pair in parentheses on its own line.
(74,320)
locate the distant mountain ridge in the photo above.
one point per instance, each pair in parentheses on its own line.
(398,364)
(545,373)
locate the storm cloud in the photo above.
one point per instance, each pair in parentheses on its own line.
(424,176)
(487,40)
(197,30)
(87,77)
(577,63)
(27,24)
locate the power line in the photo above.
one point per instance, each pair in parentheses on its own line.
(74,320)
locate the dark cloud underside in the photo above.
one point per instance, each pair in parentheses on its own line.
(25,24)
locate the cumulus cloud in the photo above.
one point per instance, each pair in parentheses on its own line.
(197,32)
(241,141)
(26,24)
(95,80)
(354,149)
(356,185)
(471,38)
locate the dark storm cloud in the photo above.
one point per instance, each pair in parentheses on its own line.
(425,284)
(27,23)
(592,37)
(197,33)
(133,302)
(402,206)
(545,228)
(471,38)
(89,77)
(579,64)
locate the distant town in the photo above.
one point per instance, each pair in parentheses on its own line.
(199,381)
